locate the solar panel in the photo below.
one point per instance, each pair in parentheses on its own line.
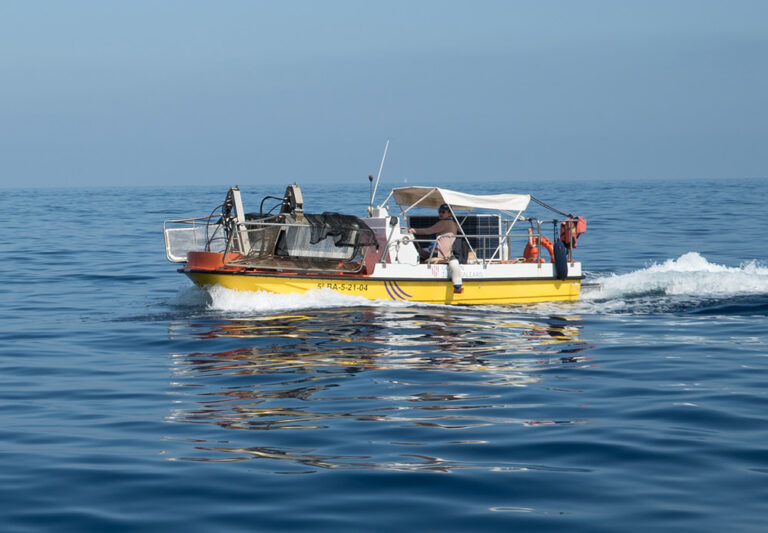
(472,225)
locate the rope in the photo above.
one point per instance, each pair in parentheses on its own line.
(209,238)
(542,204)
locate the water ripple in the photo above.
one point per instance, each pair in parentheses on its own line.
(377,370)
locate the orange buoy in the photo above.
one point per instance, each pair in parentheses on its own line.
(531,252)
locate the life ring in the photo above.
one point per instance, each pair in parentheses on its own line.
(531,252)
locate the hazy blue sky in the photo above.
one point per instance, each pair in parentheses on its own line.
(191,92)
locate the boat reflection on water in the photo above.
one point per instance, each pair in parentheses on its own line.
(348,388)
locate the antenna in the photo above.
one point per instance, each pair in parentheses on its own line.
(373,195)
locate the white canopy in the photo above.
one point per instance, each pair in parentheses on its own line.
(434,197)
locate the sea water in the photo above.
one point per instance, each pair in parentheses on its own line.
(132,400)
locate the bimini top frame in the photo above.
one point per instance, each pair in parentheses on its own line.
(434,197)
(511,205)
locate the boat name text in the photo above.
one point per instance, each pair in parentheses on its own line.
(342,286)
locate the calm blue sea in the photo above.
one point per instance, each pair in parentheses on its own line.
(130,400)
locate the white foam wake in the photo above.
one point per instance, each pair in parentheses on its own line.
(688,275)
(218,298)
(230,300)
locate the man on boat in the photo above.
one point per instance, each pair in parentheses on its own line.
(445,231)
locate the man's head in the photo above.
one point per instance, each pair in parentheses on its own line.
(444,211)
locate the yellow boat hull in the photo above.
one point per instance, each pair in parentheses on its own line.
(474,292)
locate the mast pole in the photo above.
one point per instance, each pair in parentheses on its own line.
(378,177)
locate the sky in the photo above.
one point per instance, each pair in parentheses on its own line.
(188,92)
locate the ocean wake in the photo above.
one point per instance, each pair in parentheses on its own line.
(227,300)
(689,275)
(688,283)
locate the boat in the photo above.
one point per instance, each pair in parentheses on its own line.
(497,255)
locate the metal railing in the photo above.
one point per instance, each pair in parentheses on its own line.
(192,234)
(506,239)
(257,241)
